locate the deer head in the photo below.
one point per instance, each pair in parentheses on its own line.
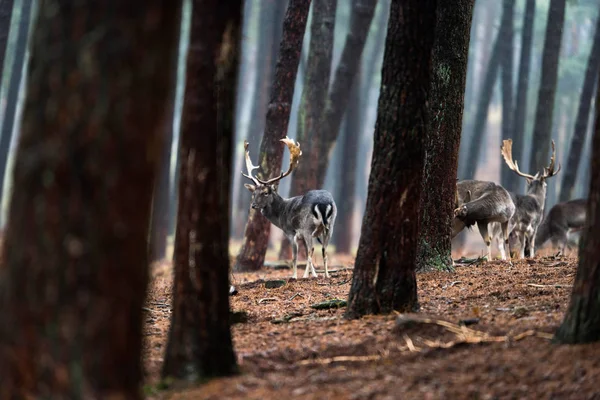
(263,191)
(532,180)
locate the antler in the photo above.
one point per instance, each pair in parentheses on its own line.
(295,154)
(249,166)
(549,172)
(513,165)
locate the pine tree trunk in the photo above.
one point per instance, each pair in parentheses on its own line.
(520,111)
(75,273)
(542,131)
(344,226)
(384,273)
(256,233)
(6,10)
(582,320)
(508,178)
(12,95)
(449,66)
(581,120)
(200,342)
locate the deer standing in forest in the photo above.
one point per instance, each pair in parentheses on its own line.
(530,206)
(482,203)
(563,221)
(305,217)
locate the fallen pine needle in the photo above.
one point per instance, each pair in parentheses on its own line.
(409,343)
(296,295)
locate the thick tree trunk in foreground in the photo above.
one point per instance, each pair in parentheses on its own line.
(200,339)
(508,178)
(582,320)
(520,110)
(12,95)
(256,234)
(542,131)
(6,11)
(75,272)
(449,66)
(384,273)
(581,122)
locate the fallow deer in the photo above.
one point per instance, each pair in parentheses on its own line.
(530,206)
(564,221)
(482,203)
(305,217)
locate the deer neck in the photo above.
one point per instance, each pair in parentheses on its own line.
(274,211)
(538,192)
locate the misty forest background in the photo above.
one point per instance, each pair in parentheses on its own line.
(493,110)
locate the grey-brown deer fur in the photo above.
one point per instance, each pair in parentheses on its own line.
(304,217)
(564,222)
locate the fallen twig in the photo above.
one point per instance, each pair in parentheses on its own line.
(267,299)
(330,360)
(296,295)
(549,286)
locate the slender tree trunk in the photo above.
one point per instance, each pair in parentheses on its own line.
(582,320)
(256,233)
(6,10)
(200,343)
(520,111)
(384,273)
(347,178)
(75,273)
(508,178)
(581,120)
(449,66)
(12,95)
(481,115)
(542,131)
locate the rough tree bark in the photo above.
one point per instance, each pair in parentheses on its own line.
(6,10)
(582,320)
(384,273)
(269,34)
(508,178)
(256,233)
(542,131)
(200,343)
(481,115)
(449,66)
(12,95)
(75,273)
(345,200)
(520,111)
(581,120)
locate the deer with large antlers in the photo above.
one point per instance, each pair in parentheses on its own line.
(305,217)
(530,206)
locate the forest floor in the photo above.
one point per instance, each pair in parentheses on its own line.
(287,349)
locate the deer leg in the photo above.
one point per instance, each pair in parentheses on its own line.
(310,250)
(483,230)
(294,242)
(308,245)
(523,242)
(531,245)
(324,250)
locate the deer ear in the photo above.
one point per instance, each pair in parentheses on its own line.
(275,186)
(250,187)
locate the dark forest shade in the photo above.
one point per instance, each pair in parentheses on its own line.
(449,66)
(582,320)
(75,273)
(256,233)
(199,343)
(384,273)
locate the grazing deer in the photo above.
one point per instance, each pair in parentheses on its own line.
(563,221)
(530,206)
(482,203)
(302,217)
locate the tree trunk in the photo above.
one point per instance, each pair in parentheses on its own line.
(256,233)
(581,121)
(312,103)
(520,111)
(449,66)
(6,10)
(270,23)
(347,179)
(481,115)
(75,273)
(200,343)
(508,178)
(542,131)
(12,95)
(384,273)
(582,320)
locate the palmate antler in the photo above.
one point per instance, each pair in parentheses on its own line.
(295,154)
(512,165)
(548,172)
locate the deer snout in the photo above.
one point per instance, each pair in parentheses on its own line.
(254,205)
